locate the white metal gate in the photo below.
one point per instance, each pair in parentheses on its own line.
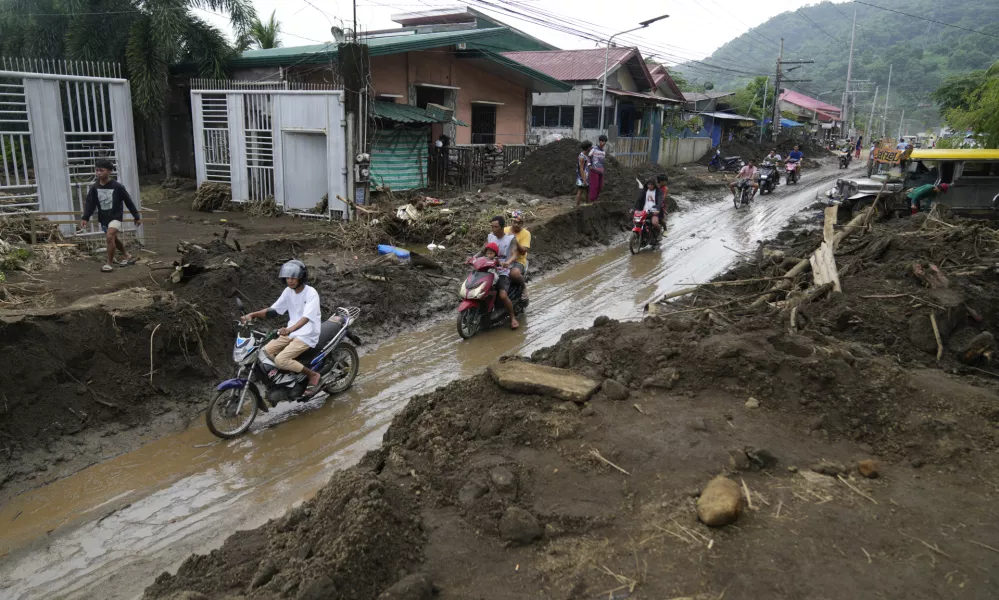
(243,130)
(56,119)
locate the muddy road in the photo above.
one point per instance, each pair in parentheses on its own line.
(115,526)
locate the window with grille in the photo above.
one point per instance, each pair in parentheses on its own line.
(591,117)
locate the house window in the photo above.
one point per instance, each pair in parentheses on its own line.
(483,124)
(552,116)
(591,117)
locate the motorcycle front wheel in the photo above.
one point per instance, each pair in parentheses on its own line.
(343,366)
(469,322)
(635,242)
(712,167)
(221,416)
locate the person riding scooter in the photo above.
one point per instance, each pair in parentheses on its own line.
(507,253)
(301,303)
(650,200)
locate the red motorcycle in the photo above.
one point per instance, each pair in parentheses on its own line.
(480,306)
(791,169)
(643,234)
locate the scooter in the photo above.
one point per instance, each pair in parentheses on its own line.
(769,179)
(729,163)
(236,402)
(791,168)
(643,235)
(480,306)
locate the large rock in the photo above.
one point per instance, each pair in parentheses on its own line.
(527,378)
(412,587)
(321,588)
(615,390)
(265,572)
(519,526)
(720,502)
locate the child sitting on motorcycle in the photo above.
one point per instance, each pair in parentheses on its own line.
(650,200)
(301,303)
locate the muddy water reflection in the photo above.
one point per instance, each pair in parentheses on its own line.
(121,522)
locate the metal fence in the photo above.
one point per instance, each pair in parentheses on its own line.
(467,166)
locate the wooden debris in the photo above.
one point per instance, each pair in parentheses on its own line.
(823,264)
(936,334)
(596,454)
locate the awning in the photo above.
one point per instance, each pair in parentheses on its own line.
(727,116)
(789,123)
(651,97)
(407,113)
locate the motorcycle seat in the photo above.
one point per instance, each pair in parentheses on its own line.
(732,158)
(326,333)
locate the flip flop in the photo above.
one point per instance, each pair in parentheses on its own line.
(107,269)
(312,390)
(126,262)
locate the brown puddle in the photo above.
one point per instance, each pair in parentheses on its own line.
(140,513)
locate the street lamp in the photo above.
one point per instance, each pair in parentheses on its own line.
(603,97)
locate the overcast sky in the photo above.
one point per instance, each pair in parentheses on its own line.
(694,29)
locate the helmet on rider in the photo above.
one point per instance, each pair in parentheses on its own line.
(493,246)
(294,269)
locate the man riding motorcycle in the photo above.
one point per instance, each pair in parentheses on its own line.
(301,303)
(772,159)
(747,174)
(508,251)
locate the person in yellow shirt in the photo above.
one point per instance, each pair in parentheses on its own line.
(518,270)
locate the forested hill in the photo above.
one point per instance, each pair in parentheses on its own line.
(923,53)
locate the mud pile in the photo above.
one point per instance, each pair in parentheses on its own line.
(519,493)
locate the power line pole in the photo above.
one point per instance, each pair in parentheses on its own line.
(870,124)
(775,120)
(884,119)
(849,73)
(900,123)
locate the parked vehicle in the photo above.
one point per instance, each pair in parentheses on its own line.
(729,163)
(479,306)
(844,160)
(769,178)
(743,195)
(260,386)
(972,174)
(792,168)
(643,235)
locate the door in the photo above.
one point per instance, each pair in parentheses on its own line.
(483,124)
(306,178)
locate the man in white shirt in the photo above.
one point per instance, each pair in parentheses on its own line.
(748,174)
(301,303)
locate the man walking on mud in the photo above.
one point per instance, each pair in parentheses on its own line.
(109,198)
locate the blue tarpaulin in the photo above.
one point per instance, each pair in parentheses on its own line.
(790,123)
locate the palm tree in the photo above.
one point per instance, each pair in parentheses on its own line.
(146,36)
(266,34)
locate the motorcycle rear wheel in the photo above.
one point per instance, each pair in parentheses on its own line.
(345,359)
(469,322)
(635,242)
(227,426)
(712,168)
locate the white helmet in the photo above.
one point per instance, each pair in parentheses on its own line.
(295,269)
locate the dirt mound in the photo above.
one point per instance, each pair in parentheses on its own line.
(347,542)
(550,171)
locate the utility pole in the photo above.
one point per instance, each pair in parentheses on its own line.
(870,124)
(766,88)
(900,123)
(849,73)
(884,119)
(775,120)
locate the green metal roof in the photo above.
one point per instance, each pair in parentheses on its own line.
(377,46)
(528,77)
(407,113)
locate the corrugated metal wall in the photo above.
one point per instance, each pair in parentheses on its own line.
(399,157)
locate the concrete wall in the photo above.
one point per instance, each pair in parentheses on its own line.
(674,151)
(399,74)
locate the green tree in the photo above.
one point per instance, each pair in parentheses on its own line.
(982,113)
(264,35)
(955,91)
(749,100)
(145,36)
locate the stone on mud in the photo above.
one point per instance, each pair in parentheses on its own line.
(868,468)
(265,572)
(828,468)
(418,586)
(519,526)
(665,379)
(318,589)
(525,378)
(615,390)
(752,403)
(472,491)
(504,481)
(720,502)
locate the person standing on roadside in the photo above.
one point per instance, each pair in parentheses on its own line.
(598,157)
(518,270)
(583,171)
(860,143)
(109,198)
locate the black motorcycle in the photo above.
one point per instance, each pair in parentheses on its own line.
(729,163)
(743,194)
(844,160)
(236,402)
(769,179)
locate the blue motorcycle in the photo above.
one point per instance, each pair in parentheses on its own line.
(728,163)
